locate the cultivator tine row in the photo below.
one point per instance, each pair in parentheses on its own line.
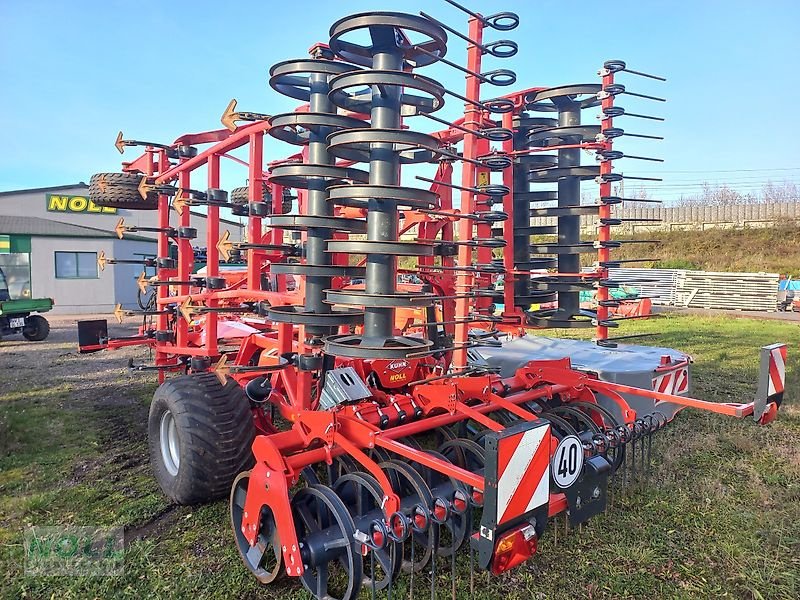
(401,414)
(170,151)
(231,116)
(187,233)
(162,262)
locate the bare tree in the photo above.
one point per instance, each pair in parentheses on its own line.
(780,192)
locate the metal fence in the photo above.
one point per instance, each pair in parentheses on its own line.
(659,284)
(703,289)
(694,217)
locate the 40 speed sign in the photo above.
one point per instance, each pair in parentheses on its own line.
(567,463)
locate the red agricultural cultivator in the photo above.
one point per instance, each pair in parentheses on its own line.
(366,419)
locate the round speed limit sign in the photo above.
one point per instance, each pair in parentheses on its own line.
(567,462)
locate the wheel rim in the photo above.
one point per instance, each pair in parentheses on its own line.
(332,567)
(264,559)
(363,497)
(412,489)
(453,531)
(170,444)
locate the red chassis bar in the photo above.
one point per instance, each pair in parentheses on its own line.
(321,436)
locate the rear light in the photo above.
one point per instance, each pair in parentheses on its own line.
(514,548)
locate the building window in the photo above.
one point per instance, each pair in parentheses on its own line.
(76,265)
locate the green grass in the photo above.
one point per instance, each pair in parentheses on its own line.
(749,250)
(717,517)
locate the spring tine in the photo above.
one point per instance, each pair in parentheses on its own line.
(455,32)
(434,548)
(372,571)
(456,66)
(454,126)
(390,575)
(454,156)
(453,572)
(647,75)
(638,116)
(555,530)
(643,444)
(625,468)
(467,100)
(411,582)
(644,178)
(644,200)
(656,98)
(497,105)
(643,158)
(465,9)
(647,137)
(619,200)
(471,570)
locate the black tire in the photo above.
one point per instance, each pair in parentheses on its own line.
(36,328)
(214,430)
(240,196)
(120,190)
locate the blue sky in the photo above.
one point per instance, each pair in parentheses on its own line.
(74,73)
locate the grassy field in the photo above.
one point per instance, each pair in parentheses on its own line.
(718,517)
(748,250)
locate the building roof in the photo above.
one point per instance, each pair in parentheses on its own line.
(35,226)
(81,184)
(54,188)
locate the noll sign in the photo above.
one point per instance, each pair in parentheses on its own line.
(75,204)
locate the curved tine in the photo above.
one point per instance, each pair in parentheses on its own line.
(366,500)
(337,542)
(619,449)
(330,471)
(472,453)
(379,454)
(322,524)
(411,481)
(306,517)
(386,559)
(256,554)
(579,416)
(240,496)
(411,442)
(601,410)
(457,524)
(321,577)
(310,476)
(560,425)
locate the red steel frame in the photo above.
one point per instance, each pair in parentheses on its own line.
(319,436)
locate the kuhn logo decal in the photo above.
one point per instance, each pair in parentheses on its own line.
(397,366)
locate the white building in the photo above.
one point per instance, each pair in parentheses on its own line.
(50,239)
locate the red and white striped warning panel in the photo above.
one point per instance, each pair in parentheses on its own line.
(777,369)
(771,382)
(672,382)
(523,469)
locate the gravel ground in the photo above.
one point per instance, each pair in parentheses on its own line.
(93,377)
(716,517)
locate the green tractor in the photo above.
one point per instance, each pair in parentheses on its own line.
(16,317)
